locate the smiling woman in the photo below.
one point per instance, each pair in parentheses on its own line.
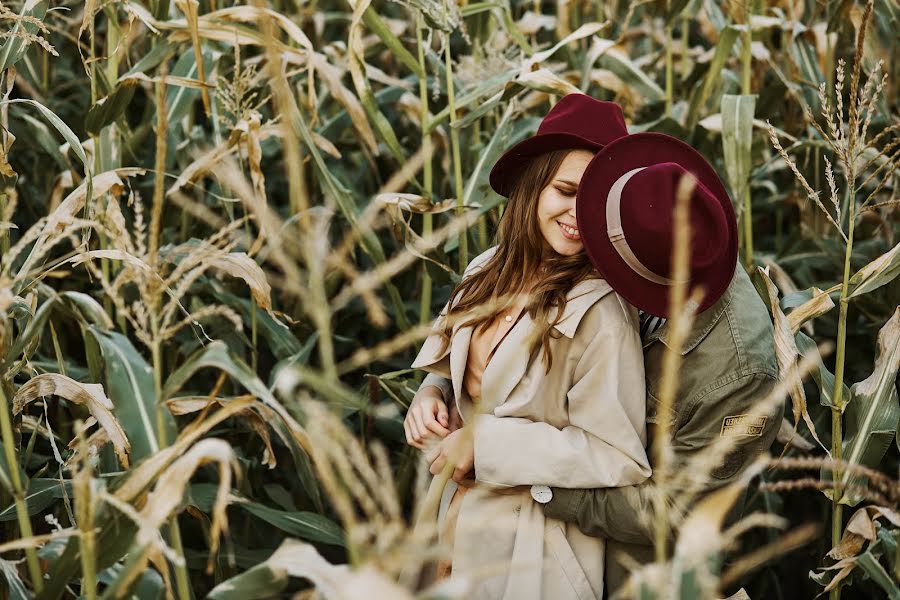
(572,420)
(556,205)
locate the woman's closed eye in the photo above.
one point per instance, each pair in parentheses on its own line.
(565,192)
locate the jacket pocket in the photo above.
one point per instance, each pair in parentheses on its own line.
(568,563)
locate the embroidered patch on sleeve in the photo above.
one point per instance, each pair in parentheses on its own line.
(743,425)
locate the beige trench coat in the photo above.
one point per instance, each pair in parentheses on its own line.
(582,425)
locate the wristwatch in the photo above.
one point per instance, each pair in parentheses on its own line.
(541,493)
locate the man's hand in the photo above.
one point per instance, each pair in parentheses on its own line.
(459,449)
(426,418)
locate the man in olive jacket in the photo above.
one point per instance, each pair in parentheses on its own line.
(728,368)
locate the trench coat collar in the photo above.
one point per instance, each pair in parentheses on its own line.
(703,324)
(512,356)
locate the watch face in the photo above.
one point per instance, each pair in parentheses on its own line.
(541,493)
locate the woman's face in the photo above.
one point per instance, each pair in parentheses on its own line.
(556,205)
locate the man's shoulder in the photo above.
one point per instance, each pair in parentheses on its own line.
(739,344)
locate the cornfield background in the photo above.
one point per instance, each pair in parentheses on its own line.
(226,228)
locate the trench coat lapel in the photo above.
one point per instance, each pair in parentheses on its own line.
(459,354)
(512,356)
(507,365)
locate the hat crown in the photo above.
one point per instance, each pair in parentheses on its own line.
(648,207)
(579,114)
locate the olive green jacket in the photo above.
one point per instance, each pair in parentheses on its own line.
(728,367)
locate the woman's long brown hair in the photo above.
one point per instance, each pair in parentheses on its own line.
(522,250)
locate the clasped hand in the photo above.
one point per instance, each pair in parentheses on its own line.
(431,428)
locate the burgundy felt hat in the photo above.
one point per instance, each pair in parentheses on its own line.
(624,208)
(577,121)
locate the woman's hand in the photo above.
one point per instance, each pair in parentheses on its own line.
(459,448)
(426,418)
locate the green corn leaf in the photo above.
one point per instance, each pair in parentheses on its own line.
(822,376)
(869,563)
(303,524)
(378,27)
(41,493)
(874,408)
(151,59)
(14,48)
(110,108)
(129,384)
(727,36)
(262,581)
(179,99)
(877,273)
(61,127)
(14,585)
(737,139)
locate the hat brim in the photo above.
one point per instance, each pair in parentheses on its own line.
(617,158)
(511,162)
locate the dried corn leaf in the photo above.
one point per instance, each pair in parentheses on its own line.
(862,524)
(186,82)
(238,264)
(169,490)
(788,436)
(130,259)
(532,22)
(145,472)
(414,203)
(786,356)
(547,81)
(90,395)
(108,182)
(331,75)
(820,304)
(299,559)
(700,534)
(189,8)
(189,404)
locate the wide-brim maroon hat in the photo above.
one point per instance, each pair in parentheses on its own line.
(625,208)
(577,121)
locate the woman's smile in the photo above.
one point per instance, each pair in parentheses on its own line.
(569,231)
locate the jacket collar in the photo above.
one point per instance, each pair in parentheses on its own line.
(703,324)
(578,300)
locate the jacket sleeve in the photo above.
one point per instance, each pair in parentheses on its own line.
(602,446)
(625,514)
(442,383)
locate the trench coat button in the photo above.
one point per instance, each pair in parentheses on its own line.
(508,318)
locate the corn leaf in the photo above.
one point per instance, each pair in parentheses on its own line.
(697,105)
(111,107)
(41,493)
(60,126)
(14,585)
(786,356)
(877,273)
(129,383)
(869,563)
(874,410)
(616,60)
(14,47)
(297,559)
(217,356)
(737,140)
